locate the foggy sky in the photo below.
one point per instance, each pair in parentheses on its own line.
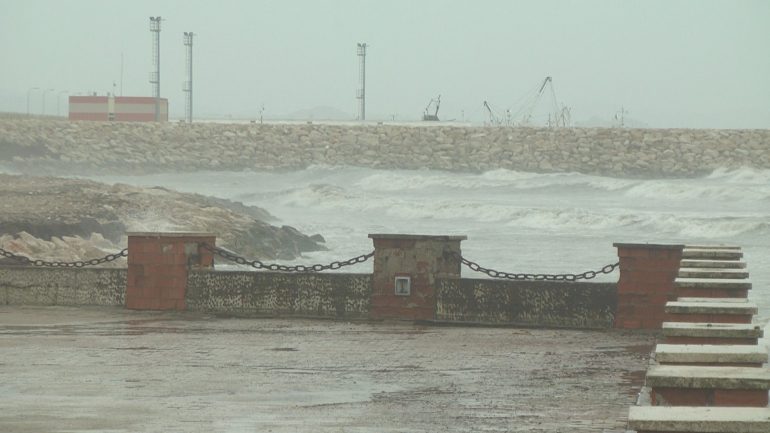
(699,64)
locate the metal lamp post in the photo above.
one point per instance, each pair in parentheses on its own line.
(58,102)
(44,92)
(29,91)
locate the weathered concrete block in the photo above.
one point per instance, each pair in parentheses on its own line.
(531,303)
(253,293)
(699,419)
(716,273)
(22,285)
(711,253)
(718,264)
(712,332)
(738,355)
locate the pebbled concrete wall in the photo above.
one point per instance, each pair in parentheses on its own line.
(36,145)
(277,294)
(20,285)
(343,296)
(529,303)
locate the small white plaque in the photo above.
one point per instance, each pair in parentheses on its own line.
(403,286)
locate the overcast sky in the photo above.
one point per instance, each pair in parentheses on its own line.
(697,63)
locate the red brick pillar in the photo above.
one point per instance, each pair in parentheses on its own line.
(405,271)
(647,274)
(158,265)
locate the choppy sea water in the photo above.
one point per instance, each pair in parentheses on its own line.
(515,221)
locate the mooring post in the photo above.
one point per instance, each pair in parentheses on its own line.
(158,264)
(647,274)
(405,271)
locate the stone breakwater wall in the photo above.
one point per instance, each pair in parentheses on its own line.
(51,145)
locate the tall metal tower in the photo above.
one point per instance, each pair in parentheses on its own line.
(361,93)
(155,74)
(188,85)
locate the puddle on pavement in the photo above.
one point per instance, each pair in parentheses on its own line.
(633,380)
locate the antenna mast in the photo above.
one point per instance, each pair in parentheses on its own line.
(155,74)
(188,85)
(361,94)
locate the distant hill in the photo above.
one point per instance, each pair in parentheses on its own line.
(318,113)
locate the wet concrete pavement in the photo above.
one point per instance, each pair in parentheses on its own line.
(112,370)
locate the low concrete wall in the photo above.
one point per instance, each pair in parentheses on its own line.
(530,303)
(343,296)
(346,296)
(273,293)
(20,285)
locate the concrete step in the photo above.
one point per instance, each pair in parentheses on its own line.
(714,307)
(706,263)
(684,385)
(648,419)
(711,333)
(713,247)
(688,376)
(711,354)
(712,288)
(711,312)
(734,300)
(713,283)
(713,254)
(717,273)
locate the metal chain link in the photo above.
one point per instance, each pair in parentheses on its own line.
(283,268)
(537,277)
(55,264)
(314,268)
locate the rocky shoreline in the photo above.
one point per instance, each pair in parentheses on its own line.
(59,146)
(62,219)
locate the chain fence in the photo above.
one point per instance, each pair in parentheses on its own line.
(221,252)
(257,264)
(57,264)
(537,277)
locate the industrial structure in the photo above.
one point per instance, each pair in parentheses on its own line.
(155,74)
(188,85)
(361,94)
(557,117)
(118,108)
(431,110)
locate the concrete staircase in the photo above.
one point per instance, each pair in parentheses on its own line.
(709,375)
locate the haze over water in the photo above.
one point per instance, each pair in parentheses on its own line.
(681,64)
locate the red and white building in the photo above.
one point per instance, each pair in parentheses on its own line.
(117,108)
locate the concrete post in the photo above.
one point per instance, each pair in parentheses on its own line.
(647,274)
(405,271)
(157,268)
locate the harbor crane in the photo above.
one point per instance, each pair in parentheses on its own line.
(557,117)
(434,103)
(495,119)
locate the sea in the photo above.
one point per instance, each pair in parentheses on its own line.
(515,221)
